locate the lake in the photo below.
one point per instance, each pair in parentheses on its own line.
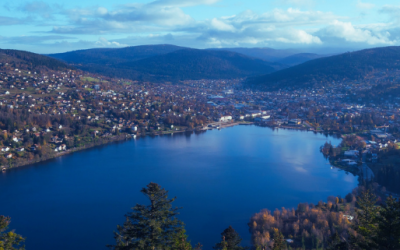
(220,178)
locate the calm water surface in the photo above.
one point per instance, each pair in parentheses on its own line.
(221,178)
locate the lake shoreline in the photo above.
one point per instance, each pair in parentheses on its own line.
(123,137)
(107,141)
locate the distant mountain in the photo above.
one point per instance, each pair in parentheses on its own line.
(299,58)
(352,66)
(113,56)
(30,61)
(186,64)
(166,63)
(267,54)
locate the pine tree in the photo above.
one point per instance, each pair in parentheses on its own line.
(223,245)
(366,227)
(336,243)
(279,241)
(389,225)
(230,240)
(198,246)
(151,227)
(181,241)
(9,240)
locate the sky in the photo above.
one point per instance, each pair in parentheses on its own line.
(322,26)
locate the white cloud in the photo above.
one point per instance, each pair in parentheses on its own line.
(220,25)
(349,33)
(39,8)
(166,21)
(393,11)
(102,42)
(102,11)
(363,5)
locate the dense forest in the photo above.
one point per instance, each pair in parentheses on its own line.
(114,56)
(299,58)
(167,63)
(350,66)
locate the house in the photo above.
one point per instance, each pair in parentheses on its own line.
(294,122)
(21,149)
(349,217)
(265,117)
(253,113)
(9,156)
(225,118)
(5,149)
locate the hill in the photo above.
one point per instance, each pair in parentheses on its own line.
(267,54)
(114,56)
(299,58)
(348,66)
(30,61)
(167,63)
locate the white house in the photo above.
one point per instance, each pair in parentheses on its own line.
(349,217)
(5,149)
(225,118)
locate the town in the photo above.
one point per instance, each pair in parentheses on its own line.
(48,113)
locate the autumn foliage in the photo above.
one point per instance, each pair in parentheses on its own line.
(308,226)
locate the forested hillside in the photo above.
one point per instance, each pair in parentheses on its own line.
(30,61)
(114,56)
(350,66)
(267,54)
(181,64)
(299,58)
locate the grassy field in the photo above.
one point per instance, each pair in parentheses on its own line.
(90,79)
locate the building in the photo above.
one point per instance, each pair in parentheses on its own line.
(225,118)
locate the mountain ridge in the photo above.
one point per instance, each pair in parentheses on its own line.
(31,61)
(167,63)
(348,66)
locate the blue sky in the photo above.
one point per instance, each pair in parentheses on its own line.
(51,26)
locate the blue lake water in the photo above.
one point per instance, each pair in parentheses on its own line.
(220,178)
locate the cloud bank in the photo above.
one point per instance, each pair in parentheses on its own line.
(167,21)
